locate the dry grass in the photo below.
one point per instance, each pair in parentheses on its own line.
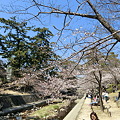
(11,92)
(50,110)
(113,109)
(101,115)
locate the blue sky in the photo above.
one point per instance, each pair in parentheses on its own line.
(78,23)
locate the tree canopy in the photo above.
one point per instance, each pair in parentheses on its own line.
(25,47)
(79,26)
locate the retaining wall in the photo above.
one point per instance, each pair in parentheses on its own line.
(73,114)
(16,100)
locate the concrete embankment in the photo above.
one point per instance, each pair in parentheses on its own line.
(16,100)
(21,108)
(18,103)
(73,114)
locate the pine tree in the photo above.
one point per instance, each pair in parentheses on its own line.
(23,50)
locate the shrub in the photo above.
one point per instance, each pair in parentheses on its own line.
(119,86)
(109,90)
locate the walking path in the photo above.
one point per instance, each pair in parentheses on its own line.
(85,111)
(112,108)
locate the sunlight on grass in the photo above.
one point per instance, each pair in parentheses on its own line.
(114,95)
(50,110)
(45,111)
(114,110)
(102,115)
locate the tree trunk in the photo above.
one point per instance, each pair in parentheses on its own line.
(100,97)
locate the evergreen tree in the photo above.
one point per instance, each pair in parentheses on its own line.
(2,72)
(23,50)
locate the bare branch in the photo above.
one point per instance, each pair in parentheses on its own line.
(111,49)
(104,22)
(70,13)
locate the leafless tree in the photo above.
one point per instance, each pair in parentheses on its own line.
(73,36)
(101,27)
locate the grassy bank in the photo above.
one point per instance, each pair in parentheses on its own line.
(51,111)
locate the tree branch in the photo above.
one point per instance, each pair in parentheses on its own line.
(71,13)
(111,49)
(104,22)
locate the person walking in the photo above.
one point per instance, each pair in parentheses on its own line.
(118,97)
(106,96)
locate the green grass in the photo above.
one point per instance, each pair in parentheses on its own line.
(49,110)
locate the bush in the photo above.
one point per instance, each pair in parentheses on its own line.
(112,87)
(118,86)
(109,90)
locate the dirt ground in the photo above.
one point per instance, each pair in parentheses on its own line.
(111,113)
(11,92)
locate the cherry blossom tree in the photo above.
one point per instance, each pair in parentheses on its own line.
(80,28)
